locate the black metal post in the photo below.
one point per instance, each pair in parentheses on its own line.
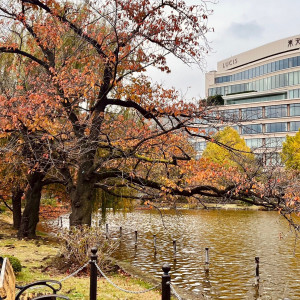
(93,274)
(106,231)
(174,248)
(206,267)
(136,236)
(257,270)
(165,283)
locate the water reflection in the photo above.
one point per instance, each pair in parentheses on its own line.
(234,239)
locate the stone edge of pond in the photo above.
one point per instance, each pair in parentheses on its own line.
(232,206)
(146,277)
(208,206)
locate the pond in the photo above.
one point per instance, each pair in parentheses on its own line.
(234,239)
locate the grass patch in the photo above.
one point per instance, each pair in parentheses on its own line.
(37,257)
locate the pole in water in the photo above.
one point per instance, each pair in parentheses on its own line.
(106,231)
(174,248)
(206,259)
(120,231)
(257,270)
(61,222)
(136,235)
(154,242)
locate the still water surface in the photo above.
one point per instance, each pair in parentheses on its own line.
(234,239)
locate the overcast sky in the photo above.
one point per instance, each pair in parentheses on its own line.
(239,25)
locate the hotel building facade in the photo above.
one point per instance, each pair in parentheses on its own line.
(261,91)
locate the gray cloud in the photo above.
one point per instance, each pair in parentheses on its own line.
(245,30)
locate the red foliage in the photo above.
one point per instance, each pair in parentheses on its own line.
(53,212)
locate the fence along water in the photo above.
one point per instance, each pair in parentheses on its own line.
(165,283)
(167,286)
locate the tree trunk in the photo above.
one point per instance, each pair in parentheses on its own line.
(30,216)
(82,202)
(17,194)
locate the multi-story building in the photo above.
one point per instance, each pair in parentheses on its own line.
(261,89)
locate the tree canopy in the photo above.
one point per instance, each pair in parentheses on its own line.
(291,152)
(222,149)
(77,109)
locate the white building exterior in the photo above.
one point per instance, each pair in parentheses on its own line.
(261,88)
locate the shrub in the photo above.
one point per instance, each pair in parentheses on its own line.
(49,201)
(2,209)
(15,263)
(76,245)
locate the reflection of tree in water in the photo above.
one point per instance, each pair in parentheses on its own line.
(105,202)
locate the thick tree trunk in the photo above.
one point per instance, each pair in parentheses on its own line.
(30,217)
(82,203)
(17,194)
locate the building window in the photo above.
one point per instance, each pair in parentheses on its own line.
(274,142)
(276,127)
(295,61)
(276,111)
(281,64)
(252,129)
(259,158)
(273,159)
(257,99)
(294,126)
(231,115)
(295,109)
(208,130)
(254,143)
(200,146)
(252,113)
(236,128)
(296,78)
(293,94)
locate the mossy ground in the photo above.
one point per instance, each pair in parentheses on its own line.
(37,258)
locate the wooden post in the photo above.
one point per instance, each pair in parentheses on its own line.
(136,236)
(154,242)
(93,274)
(206,259)
(165,283)
(120,232)
(257,271)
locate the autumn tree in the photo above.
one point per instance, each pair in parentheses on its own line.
(291,152)
(76,68)
(78,64)
(228,148)
(24,162)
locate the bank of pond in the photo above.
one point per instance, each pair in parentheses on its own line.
(234,239)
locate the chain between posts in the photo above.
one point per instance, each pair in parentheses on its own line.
(76,272)
(121,289)
(174,291)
